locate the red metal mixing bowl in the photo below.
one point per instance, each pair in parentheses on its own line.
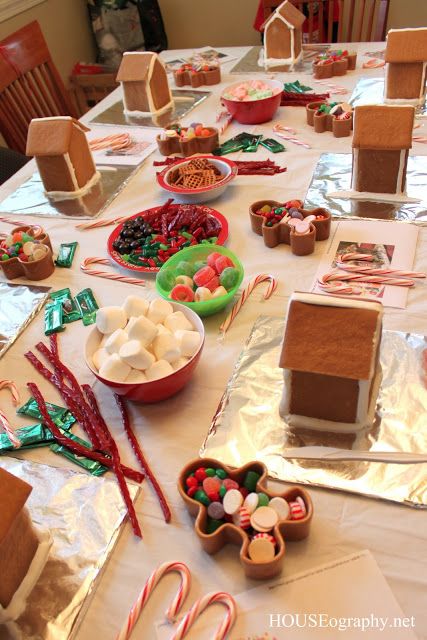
(254,111)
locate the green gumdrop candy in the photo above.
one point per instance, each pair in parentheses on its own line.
(213,525)
(221,473)
(201,496)
(184,268)
(166,279)
(199,264)
(263,500)
(229,278)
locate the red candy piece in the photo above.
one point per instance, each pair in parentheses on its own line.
(211,485)
(205,133)
(212,258)
(200,474)
(213,496)
(191,481)
(203,275)
(243,491)
(222,263)
(212,284)
(228,483)
(191,491)
(182,293)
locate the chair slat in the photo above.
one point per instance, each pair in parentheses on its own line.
(330,19)
(370,21)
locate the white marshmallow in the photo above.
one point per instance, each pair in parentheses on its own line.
(131,322)
(176,321)
(99,357)
(162,330)
(143,330)
(179,363)
(166,347)
(159,369)
(108,319)
(219,291)
(135,306)
(188,341)
(202,293)
(136,355)
(136,376)
(114,369)
(116,340)
(158,310)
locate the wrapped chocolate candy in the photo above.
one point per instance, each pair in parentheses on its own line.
(66,254)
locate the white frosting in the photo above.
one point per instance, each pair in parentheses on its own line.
(276,62)
(367,195)
(17,605)
(78,192)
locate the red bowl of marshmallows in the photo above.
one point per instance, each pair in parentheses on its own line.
(254,101)
(145,350)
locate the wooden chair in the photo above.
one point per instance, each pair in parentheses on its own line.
(368,25)
(92,88)
(30,85)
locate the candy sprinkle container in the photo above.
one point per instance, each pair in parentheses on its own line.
(234,505)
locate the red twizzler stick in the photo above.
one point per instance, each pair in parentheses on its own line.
(141,458)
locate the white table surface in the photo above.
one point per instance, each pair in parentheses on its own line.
(172,432)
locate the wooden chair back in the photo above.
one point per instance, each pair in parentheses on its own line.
(30,85)
(92,88)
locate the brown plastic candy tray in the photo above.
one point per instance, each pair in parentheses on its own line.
(285,531)
(335,67)
(283,233)
(198,144)
(197,78)
(35,270)
(327,122)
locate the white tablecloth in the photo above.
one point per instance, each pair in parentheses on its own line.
(171,432)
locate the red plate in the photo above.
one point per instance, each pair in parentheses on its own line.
(114,255)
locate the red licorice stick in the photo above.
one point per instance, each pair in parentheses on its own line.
(141,458)
(136,476)
(116,462)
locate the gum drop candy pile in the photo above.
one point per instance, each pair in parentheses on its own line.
(21,245)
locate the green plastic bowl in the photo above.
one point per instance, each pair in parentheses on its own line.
(201,252)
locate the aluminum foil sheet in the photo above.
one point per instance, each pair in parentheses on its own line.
(371,91)
(60,499)
(30,198)
(19,304)
(247,425)
(333,173)
(249,62)
(184,101)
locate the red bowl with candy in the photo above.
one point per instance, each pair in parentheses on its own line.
(155,390)
(247,111)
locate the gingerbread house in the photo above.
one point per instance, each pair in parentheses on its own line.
(382,137)
(330,362)
(145,83)
(283,37)
(406,58)
(62,154)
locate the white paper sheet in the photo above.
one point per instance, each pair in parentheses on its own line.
(394,246)
(347,598)
(143,144)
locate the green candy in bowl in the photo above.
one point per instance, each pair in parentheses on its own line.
(203,277)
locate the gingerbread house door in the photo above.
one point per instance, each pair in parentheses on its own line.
(379,171)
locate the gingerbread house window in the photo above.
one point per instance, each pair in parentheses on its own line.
(406,58)
(283,36)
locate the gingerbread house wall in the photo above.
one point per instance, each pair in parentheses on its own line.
(81,157)
(315,396)
(379,171)
(16,554)
(135,96)
(55,173)
(405,81)
(159,86)
(278,41)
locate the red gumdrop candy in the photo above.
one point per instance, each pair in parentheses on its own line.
(200,474)
(17,237)
(182,293)
(212,284)
(228,483)
(205,133)
(213,496)
(212,258)
(222,263)
(23,257)
(211,484)
(191,491)
(191,481)
(203,275)
(244,491)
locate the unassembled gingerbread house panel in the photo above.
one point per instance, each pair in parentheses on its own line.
(342,362)
(406,58)
(382,137)
(145,83)
(63,156)
(283,36)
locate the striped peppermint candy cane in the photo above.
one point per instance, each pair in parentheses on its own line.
(354,277)
(366,257)
(115,141)
(86,267)
(263,277)
(4,422)
(335,88)
(148,589)
(104,222)
(15,223)
(9,384)
(339,288)
(380,271)
(197,609)
(283,132)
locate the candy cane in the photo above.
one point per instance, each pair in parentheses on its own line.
(228,120)
(341,277)
(9,384)
(86,268)
(115,141)
(16,223)
(263,277)
(199,606)
(279,131)
(373,63)
(356,256)
(104,222)
(148,589)
(383,271)
(335,88)
(4,422)
(339,288)
(422,139)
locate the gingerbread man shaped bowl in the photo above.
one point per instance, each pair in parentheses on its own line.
(235,506)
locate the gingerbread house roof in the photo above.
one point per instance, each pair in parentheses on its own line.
(289,14)
(136,66)
(406,45)
(386,127)
(14,494)
(51,136)
(331,336)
